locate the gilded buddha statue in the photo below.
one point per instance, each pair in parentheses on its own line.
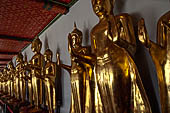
(24,81)
(20,75)
(160,52)
(49,73)
(17,75)
(80,73)
(6,85)
(13,101)
(1,80)
(1,84)
(5,82)
(28,78)
(11,74)
(8,77)
(119,88)
(35,65)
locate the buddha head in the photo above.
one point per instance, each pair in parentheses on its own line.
(48,55)
(75,37)
(36,46)
(1,74)
(103,8)
(10,65)
(19,58)
(5,71)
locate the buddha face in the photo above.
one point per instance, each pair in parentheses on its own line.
(76,40)
(36,46)
(48,55)
(19,58)
(102,7)
(5,71)
(10,65)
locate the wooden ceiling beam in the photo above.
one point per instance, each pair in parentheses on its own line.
(15,38)
(5,59)
(8,53)
(2,64)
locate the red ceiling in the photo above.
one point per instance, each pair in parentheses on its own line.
(22,20)
(7,45)
(25,18)
(6,56)
(4,62)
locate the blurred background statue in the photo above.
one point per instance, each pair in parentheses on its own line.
(160,53)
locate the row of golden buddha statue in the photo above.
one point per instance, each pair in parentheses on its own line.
(33,75)
(104,77)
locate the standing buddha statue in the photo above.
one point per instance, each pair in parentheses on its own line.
(11,73)
(119,86)
(28,78)
(35,65)
(50,76)
(6,85)
(19,72)
(80,73)
(1,80)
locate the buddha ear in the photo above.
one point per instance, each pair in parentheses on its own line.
(142,33)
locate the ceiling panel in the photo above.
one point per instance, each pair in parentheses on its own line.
(26,18)
(22,20)
(6,56)
(7,45)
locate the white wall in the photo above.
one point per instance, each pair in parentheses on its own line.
(83,14)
